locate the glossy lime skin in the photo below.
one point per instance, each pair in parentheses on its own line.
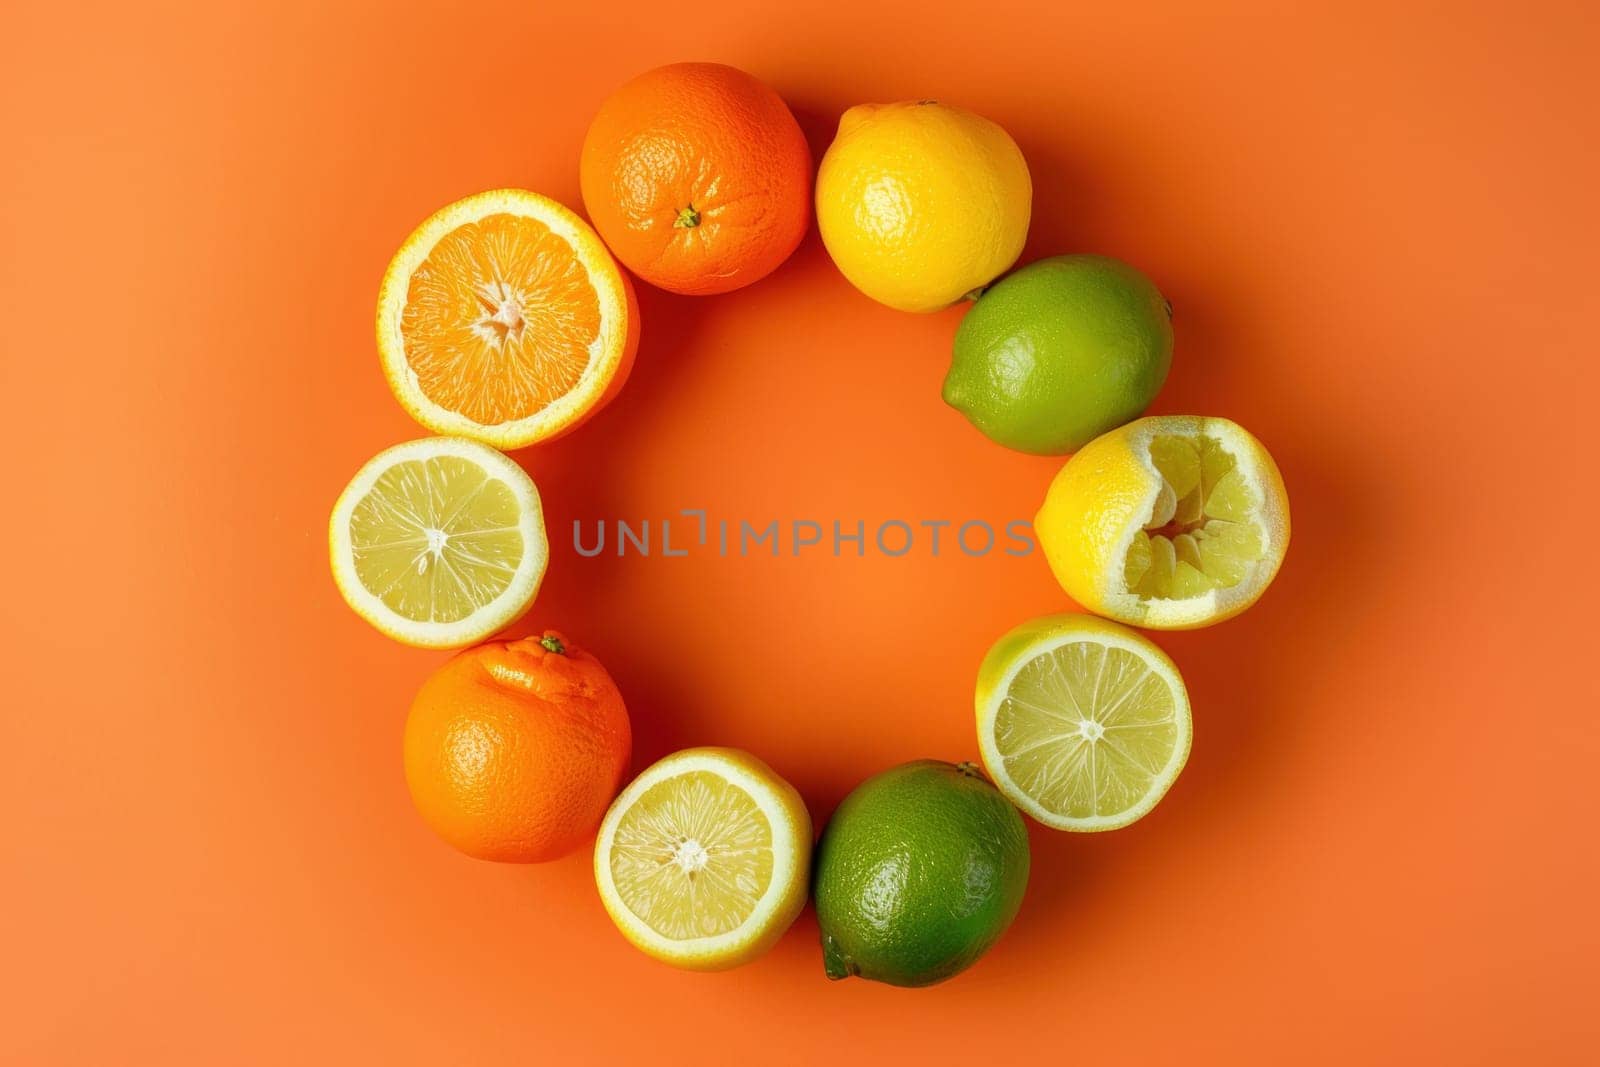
(1057,353)
(918,873)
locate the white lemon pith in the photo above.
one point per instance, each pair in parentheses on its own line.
(1082,723)
(1169,522)
(703,861)
(438,542)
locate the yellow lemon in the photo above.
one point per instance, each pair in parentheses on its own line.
(704,861)
(921,203)
(1172,522)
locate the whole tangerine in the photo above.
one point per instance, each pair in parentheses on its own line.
(514,749)
(698,178)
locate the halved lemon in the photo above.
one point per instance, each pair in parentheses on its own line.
(504,319)
(1170,522)
(704,861)
(1082,723)
(438,542)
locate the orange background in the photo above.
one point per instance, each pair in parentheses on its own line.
(1377,227)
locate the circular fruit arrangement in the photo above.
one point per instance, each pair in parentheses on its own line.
(504,321)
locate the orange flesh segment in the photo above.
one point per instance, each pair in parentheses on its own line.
(499,319)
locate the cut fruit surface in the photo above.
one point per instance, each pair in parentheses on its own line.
(692,856)
(1202,532)
(1082,723)
(439,542)
(703,861)
(503,318)
(1169,522)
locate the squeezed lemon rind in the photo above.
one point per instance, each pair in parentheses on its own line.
(1253,462)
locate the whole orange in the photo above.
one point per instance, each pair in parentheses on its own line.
(514,749)
(698,177)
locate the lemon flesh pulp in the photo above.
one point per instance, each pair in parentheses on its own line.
(436,539)
(692,856)
(1088,731)
(1202,533)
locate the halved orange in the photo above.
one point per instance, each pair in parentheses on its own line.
(503,318)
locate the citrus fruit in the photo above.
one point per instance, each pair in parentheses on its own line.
(513,749)
(698,177)
(918,873)
(503,318)
(1170,522)
(438,542)
(1082,723)
(1060,351)
(921,203)
(702,861)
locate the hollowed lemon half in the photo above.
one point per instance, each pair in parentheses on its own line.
(1171,522)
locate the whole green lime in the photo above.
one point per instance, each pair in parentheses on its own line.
(1057,353)
(918,873)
